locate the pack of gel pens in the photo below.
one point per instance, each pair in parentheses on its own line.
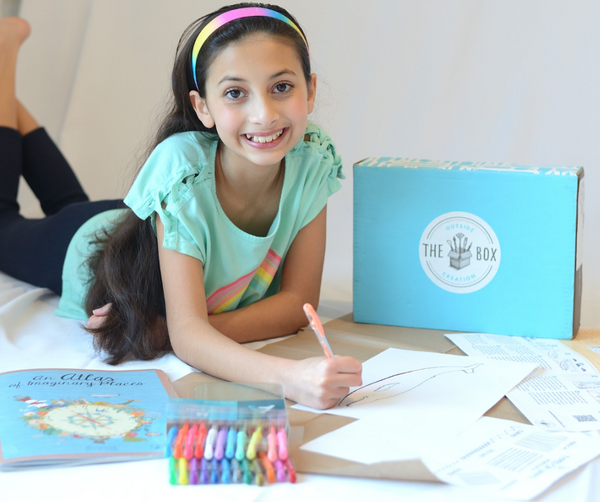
(229,433)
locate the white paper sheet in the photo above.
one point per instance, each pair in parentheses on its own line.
(405,384)
(564,393)
(435,396)
(509,459)
(386,439)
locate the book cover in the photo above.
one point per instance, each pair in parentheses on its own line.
(72,416)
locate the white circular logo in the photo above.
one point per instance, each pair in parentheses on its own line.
(459,252)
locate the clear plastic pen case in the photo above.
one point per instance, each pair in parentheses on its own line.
(229,433)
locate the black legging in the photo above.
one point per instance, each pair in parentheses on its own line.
(33,250)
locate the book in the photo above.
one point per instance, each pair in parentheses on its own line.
(51,417)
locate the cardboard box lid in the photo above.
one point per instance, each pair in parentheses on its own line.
(445,165)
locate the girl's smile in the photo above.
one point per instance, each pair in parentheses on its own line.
(266,140)
(258,99)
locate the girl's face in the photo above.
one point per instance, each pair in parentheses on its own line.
(258,99)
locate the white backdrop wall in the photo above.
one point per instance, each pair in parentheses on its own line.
(480,80)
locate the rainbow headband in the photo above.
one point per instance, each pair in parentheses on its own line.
(232,15)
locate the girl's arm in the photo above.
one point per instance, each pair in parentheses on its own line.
(282,314)
(317,382)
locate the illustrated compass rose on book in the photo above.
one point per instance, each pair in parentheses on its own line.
(90,420)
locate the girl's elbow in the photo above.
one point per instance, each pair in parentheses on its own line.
(184,353)
(299,317)
(178,343)
(312,298)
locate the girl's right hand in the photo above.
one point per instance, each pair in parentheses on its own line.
(320,382)
(98,316)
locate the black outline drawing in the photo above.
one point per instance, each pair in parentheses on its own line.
(387,386)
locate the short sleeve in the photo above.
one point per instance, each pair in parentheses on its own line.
(165,184)
(325,170)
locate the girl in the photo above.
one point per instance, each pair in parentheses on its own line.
(223,237)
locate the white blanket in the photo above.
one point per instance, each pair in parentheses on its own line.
(31,336)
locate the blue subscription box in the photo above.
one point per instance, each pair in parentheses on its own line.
(464,246)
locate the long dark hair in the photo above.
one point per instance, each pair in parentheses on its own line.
(125,270)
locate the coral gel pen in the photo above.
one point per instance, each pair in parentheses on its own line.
(317,327)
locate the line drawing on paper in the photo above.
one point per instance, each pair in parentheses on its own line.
(385,388)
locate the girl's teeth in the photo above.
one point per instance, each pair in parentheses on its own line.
(264,139)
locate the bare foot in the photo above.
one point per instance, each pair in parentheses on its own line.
(13,31)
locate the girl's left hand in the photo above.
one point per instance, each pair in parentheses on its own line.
(98,316)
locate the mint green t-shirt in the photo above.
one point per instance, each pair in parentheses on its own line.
(177,182)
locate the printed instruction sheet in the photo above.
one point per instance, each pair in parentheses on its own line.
(563,394)
(509,459)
